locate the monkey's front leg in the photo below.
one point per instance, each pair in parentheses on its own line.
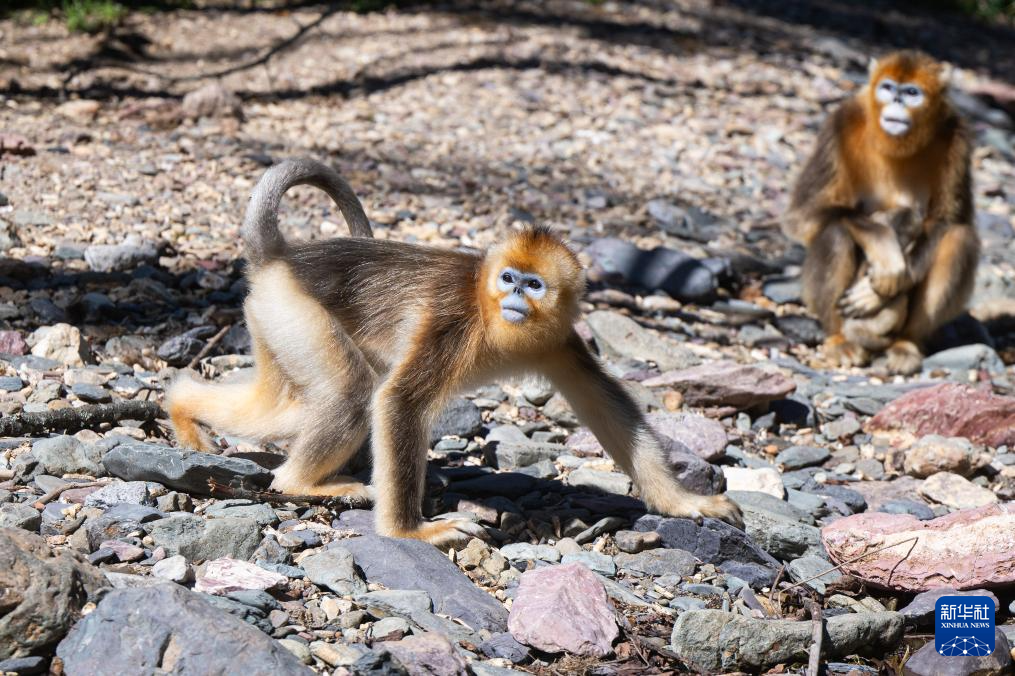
(889,273)
(401,409)
(602,403)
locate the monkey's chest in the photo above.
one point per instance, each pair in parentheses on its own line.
(889,195)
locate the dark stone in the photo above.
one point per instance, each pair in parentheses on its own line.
(796,457)
(118,521)
(182,469)
(794,410)
(800,329)
(674,272)
(244,611)
(754,574)
(91,394)
(412,564)
(928,662)
(918,509)
(42,593)
(168,628)
(712,541)
(459,418)
(24,666)
(510,484)
(179,350)
(852,499)
(504,645)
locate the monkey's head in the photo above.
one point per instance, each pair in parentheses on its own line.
(532,284)
(907,94)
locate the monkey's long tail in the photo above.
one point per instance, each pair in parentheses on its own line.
(261,235)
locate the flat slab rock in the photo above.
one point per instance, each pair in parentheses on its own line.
(711,641)
(968,549)
(563,608)
(412,564)
(169,629)
(711,541)
(725,383)
(951,410)
(182,469)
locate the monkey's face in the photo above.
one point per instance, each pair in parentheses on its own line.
(520,290)
(906,90)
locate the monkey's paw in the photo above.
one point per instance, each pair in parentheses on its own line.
(888,281)
(860,300)
(443,534)
(904,358)
(843,353)
(698,507)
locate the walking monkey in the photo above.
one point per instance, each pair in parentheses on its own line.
(897,144)
(357,334)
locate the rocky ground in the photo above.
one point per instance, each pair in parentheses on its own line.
(125,162)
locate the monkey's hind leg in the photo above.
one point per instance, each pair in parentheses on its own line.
(331,377)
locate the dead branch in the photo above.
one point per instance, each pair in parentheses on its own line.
(81,418)
(817,634)
(339,503)
(209,346)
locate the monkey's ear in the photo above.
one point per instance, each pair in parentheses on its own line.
(872,65)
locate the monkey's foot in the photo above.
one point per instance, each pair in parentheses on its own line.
(441,534)
(904,358)
(692,506)
(339,487)
(190,435)
(860,300)
(843,353)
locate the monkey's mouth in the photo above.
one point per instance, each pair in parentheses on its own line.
(894,126)
(512,315)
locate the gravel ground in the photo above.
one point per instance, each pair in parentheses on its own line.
(126,159)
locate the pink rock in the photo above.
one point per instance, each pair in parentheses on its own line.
(951,410)
(427,654)
(725,383)
(11,342)
(124,551)
(964,550)
(563,608)
(225,575)
(705,437)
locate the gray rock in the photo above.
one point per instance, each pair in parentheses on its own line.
(754,575)
(66,455)
(796,457)
(693,473)
(511,455)
(918,509)
(609,482)
(966,358)
(92,394)
(712,541)
(658,562)
(389,629)
(262,513)
(125,492)
(594,561)
(783,537)
(20,515)
(174,569)
(808,566)
(800,329)
(24,666)
(523,551)
(334,568)
(412,564)
(44,592)
(920,610)
(168,628)
(132,253)
(459,418)
(428,653)
(118,521)
(928,662)
(198,539)
(182,469)
(504,646)
(11,384)
(770,503)
(712,641)
(632,542)
(703,436)
(179,350)
(621,337)
(782,289)
(415,606)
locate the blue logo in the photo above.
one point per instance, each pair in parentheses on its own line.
(964,626)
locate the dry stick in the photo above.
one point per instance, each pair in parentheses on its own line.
(817,633)
(74,419)
(58,491)
(209,346)
(913,539)
(341,502)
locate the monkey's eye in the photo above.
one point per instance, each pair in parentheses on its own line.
(506,278)
(535,284)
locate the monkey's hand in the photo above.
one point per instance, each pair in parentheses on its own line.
(861,300)
(890,278)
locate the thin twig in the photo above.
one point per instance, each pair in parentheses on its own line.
(338,502)
(817,634)
(857,558)
(58,491)
(209,346)
(775,585)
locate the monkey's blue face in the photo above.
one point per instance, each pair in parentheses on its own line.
(897,100)
(519,288)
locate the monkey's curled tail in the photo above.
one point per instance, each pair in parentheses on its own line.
(261,235)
